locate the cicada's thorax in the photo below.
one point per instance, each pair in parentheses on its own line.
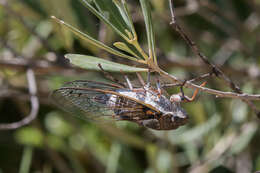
(166,115)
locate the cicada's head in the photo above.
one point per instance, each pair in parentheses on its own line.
(176,98)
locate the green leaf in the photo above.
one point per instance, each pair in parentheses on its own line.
(124,47)
(245,137)
(56,125)
(113,160)
(122,11)
(29,136)
(55,142)
(110,11)
(149,28)
(26,160)
(122,7)
(33,44)
(93,41)
(91,63)
(117,27)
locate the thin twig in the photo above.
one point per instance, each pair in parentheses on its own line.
(194,47)
(218,93)
(38,66)
(203,76)
(33,95)
(215,69)
(109,76)
(34,104)
(249,71)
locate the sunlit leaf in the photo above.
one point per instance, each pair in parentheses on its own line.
(113,159)
(124,47)
(164,161)
(55,142)
(33,44)
(56,125)
(29,136)
(243,140)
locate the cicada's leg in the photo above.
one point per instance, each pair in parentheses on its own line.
(158,85)
(182,92)
(140,79)
(109,76)
(148,79)
(188,99)
(128,82)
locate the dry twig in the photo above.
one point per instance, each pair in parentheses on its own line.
(33,96)
(238,92)
(34,104)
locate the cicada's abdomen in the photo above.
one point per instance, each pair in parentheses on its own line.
(165,122)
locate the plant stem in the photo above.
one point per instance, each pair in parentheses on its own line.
(26,160)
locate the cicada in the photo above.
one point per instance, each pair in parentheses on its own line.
(145,105)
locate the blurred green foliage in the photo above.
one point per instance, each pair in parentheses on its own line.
(222,134)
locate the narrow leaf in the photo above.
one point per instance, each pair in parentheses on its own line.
(149,29)
(124,47)
(103,18)
(91,63)
(122,7)
(93,41)
(26,160)
(110,11)
(129,17)
(243,140)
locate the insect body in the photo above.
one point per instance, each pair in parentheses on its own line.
(145,106)
(158,111)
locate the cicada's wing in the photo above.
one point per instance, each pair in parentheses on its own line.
(94,101)
(92,84)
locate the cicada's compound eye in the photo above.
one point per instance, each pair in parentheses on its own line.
(176,98)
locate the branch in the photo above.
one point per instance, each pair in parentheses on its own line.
(249,71)
(218,93)
(239,94)
(34,104)
(199,78)
(32,91)
(38,66)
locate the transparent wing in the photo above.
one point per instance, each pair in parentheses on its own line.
(92,84)
(92,101)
